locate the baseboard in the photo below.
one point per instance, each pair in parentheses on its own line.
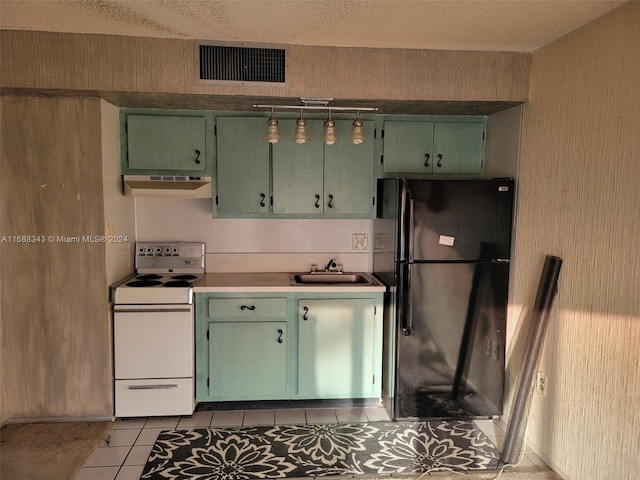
(90,418)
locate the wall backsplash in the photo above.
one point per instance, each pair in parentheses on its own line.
(255,244)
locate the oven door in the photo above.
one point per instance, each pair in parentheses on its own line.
(153,341)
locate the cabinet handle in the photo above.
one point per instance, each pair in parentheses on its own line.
(439,160)
(262,197)
(317,201)
(198,157)
(250,307)
(427,157)
(306,310)
(330,204)
(280,332)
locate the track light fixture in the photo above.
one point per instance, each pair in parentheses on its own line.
(318,104)
(273,134)
(301,135)
(357,131)
(329,136)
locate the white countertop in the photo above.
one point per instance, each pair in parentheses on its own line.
(271,282)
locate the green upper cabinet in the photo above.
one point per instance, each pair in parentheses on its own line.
(169,143)
(458,147)
(318,179)
(408,147)
(243,171)
(298,172)
(417,147)
(293,180)
(349,182)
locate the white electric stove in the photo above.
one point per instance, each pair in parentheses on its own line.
(153,325)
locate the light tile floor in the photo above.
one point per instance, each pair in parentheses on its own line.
(123,454)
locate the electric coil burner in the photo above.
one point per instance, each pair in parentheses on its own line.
(153,331)
(166,273)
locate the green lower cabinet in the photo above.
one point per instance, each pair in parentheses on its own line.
(288,346)
(339,347)
(248,360)
(243,347)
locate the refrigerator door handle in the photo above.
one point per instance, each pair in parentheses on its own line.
(402,220)
(406,313)
(410,231)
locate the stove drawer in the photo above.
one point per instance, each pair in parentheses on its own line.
(248,307)
(154,397)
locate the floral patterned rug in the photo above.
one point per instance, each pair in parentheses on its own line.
(319,450)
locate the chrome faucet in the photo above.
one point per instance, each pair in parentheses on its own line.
(332,265)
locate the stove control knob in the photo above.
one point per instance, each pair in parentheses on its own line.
(141,250)
(158,250)
(149,250)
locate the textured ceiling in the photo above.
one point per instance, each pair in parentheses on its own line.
(522,26)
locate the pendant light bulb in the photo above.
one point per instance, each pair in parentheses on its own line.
(273,134)
(357,132)
(301,135)
(329,136)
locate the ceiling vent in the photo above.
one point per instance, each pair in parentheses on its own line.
(234,63)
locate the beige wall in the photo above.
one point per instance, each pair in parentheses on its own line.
(55,320)
(110,63)
(579,198)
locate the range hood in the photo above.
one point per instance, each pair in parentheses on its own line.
(167,186)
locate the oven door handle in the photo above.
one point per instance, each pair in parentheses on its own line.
(153,387)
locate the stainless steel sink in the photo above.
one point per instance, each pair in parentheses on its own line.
(331,279)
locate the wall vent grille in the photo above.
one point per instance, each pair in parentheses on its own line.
(242,64)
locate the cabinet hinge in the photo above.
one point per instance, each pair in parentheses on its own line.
(481,164)
(375,133)
(374,201)
(215,130)
(382,134)
(207,382)
(271,200)
(374,379)
(207,334)
(216,199)
(375,311)
(381,159)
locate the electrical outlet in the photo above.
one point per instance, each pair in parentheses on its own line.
(541,384)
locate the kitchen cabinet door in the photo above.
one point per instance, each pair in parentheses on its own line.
(298,171)
(314,178)
(458,147)
(337,348)
(408,147)
(247,360)
(348,173)
(166,143)
(243,171)
(425,148)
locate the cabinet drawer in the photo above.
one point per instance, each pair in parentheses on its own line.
(154,397)
(247,307)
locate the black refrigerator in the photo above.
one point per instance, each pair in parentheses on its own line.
(443,247)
